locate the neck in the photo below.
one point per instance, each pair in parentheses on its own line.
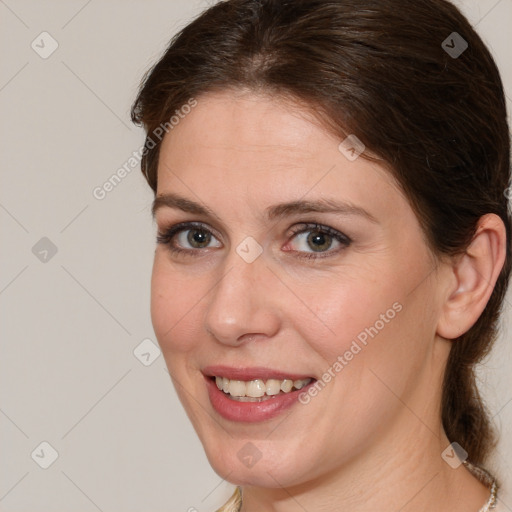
(409,475)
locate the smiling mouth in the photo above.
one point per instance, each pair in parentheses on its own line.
(258,390)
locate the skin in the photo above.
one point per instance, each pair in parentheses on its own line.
(372,438)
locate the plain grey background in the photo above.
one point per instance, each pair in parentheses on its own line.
(80,368)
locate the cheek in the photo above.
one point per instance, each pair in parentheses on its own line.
(175,304)
(367,323)
(343,310)
(379,349)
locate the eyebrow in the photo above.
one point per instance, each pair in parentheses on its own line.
(281,210)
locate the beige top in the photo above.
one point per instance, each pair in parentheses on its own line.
(495,502)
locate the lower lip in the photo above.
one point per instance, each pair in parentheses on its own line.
(251,412)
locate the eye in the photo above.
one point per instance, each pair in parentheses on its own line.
(187,237)
(316,241)
(311,240)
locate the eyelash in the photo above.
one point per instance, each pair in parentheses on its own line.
(167,236)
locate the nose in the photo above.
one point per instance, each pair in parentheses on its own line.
(244,304)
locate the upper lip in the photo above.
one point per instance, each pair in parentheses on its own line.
(250,373)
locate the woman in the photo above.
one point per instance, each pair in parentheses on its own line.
(333,248)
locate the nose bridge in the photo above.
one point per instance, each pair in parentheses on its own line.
(239,303)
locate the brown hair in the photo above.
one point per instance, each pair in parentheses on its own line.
(388,72)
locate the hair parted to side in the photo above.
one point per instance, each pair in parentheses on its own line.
(376,69)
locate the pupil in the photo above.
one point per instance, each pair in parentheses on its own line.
(198,237)
(319,241)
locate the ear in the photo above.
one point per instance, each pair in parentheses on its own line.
(474,275)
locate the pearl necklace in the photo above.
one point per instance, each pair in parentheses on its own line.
(489,481)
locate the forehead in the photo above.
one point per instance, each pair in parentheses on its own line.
(246,121)
(236,144)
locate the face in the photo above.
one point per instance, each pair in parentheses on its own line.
(294,278)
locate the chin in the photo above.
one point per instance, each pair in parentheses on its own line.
(244,464)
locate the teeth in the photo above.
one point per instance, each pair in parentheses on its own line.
(299,384)
(273,387)
(286,385)
(254,390)
(237,388)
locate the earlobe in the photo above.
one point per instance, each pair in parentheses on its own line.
(475,272)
